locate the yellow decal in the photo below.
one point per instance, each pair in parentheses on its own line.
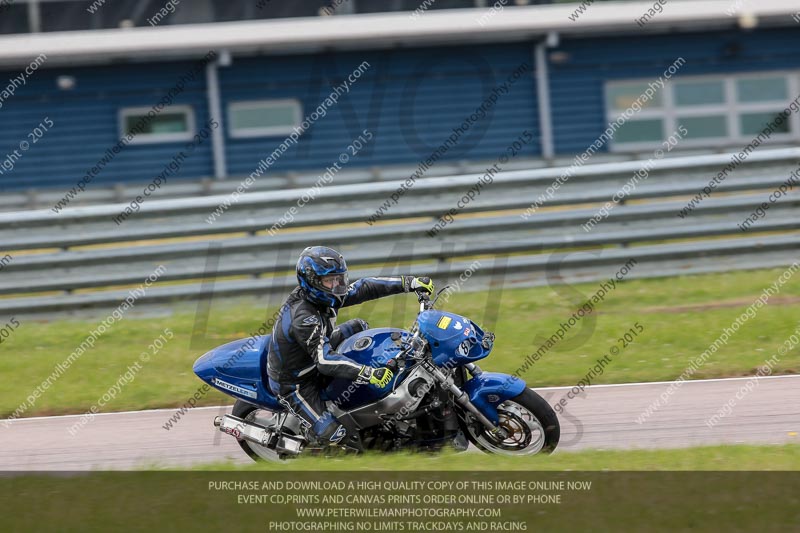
(443,322)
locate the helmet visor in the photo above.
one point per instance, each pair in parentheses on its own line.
(336,284)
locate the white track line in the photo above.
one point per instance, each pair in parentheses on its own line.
(561,387)
(169,409)
(712,380)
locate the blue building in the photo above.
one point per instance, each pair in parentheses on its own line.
(117,105)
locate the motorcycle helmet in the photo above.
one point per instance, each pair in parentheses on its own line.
(322,274)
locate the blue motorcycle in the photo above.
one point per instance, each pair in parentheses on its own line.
(438,395)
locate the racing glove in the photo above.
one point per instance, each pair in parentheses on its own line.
(380,377)
(424,284)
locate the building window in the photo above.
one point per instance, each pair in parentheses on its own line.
(637,131)
(715,110)
(175,123)
(264,118)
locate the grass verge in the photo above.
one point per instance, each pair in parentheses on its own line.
(680,318)
(710,458)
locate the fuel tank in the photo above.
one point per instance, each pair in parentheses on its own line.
(373,347)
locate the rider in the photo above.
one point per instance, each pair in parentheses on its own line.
(305,339)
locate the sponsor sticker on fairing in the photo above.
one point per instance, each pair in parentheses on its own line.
(443,322)
(234,388)
(463,348)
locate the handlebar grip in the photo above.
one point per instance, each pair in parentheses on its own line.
(392,365)
(424,299)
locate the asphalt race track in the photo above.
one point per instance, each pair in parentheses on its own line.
(603,418)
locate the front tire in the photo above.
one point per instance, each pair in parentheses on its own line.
(530,421)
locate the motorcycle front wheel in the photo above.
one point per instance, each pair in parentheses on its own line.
(530,422)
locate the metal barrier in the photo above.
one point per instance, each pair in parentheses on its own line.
(97,194)
(645,227)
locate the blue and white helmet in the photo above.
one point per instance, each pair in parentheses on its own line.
(322,273)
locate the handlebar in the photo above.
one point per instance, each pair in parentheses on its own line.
(425,304)
(424,300)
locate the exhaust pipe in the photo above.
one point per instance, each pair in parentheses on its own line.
(266,437)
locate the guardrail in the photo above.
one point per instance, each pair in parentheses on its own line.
(645,227)
(99,194)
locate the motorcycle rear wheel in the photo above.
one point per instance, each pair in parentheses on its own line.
(264,417)
(530,421)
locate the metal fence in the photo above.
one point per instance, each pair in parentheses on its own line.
(82,258)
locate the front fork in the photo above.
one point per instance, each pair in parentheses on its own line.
(462,398)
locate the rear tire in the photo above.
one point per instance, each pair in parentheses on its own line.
(532,422)
(253,413)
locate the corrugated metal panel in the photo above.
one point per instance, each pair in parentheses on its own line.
(86,125)
(577,86)
(410,99)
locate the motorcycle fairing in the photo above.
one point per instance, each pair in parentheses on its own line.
(237,369)
(490,389)
(454,340)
